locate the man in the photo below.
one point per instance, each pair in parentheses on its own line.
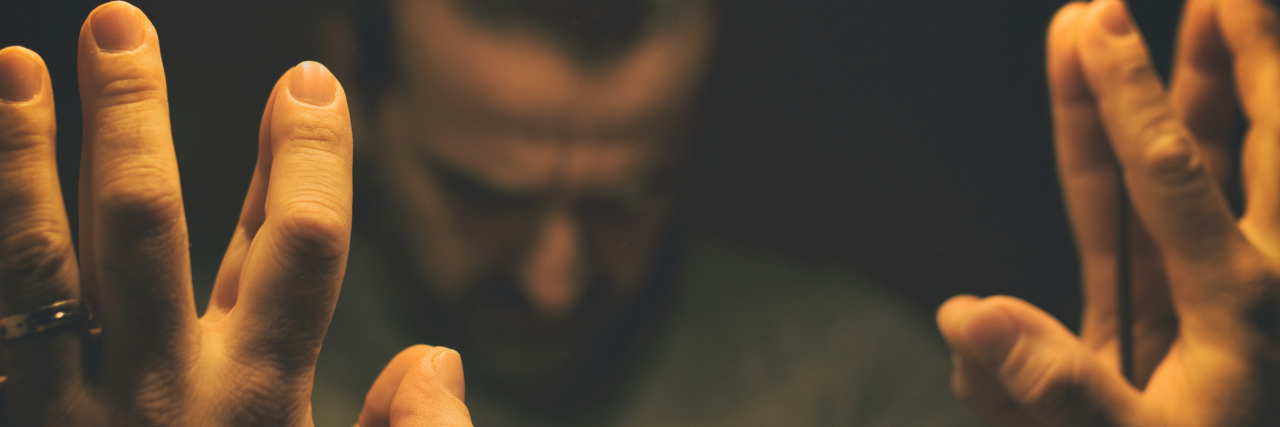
(1203,356)
(1205,313)
(523,210)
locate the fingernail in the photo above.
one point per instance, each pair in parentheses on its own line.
(312,83)
(993,335)
(20,75)
(1115,18)
(448,366)
(117,26)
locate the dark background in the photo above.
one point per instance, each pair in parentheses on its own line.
(908,140)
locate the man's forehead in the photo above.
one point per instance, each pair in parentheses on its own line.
(516,71)
(536,117)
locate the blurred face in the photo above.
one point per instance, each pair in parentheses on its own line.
(533,190)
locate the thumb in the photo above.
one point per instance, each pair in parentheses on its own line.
(422,386)
(1016,362)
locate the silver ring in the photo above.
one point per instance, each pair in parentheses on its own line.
(58,314)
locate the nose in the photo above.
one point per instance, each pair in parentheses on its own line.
(552,275)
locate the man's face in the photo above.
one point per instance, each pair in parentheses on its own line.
(516,171)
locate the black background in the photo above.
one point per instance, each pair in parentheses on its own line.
(908,140)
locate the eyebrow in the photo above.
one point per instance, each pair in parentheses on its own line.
(459,178)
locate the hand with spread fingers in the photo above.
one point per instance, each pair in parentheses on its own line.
(249,360)
(1206,283)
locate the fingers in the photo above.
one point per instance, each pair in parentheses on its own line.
(1202,91)
(971,382)
(422,386)
(1173,194)
(377,403)
(1085,162)
(1087,169)
(1089,176)
(1023,365)
(1250,30)
(36,255)
(140,264)
(289,282)
(252,214)
(37,260)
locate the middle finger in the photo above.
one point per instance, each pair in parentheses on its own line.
(138,234)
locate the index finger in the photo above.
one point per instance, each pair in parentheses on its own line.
(289,282)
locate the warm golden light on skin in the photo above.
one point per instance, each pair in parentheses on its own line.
(518,115)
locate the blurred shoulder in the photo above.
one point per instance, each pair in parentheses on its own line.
(724,280)
(757,338)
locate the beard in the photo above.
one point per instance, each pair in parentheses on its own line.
(552,366)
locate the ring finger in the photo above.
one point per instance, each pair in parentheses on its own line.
(37,260)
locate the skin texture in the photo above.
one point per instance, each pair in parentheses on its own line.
(1207,326)
(1205,280)
(249,360)
(422,386)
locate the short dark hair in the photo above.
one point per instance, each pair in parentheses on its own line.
(588,29)
(592,32)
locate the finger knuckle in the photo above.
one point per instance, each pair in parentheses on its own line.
(315,170)
(139,201)
(32,262)
(314,132)
(16,138)
(1130,65)
(131,91)
(1171,159)
(313,231)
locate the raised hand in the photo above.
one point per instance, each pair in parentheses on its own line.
(249,360)
(1207,284)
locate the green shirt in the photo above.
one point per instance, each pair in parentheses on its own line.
(749,339)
